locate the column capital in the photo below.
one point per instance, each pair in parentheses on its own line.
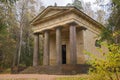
(83,28)
(72,23)
(35,33)
(59,27)
(47,30)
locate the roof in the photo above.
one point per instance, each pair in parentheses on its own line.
(70,8)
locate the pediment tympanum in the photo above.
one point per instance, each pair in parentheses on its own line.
(48,12)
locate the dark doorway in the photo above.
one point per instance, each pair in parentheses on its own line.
(63,54)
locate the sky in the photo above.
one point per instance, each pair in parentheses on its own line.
(65,2)
(61,2)
(94,7)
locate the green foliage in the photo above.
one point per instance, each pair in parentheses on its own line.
(107,34)
(26,55)
(116,2)
(112,31)
(7,43)
(77,4)
(3,27)
(15,33)
(71,78)
(11,1)
(6,71)
(107,65)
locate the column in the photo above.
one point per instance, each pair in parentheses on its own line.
(36,49)
(73,55)
(58,46)
(46,48)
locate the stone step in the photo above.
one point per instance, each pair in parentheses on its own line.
(63,69)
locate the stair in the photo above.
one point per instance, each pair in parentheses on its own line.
(42,70)
(66,69)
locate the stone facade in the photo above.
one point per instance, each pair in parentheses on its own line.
(67,33)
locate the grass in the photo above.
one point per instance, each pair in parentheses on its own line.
(74,77)
(7,71)
(71,78)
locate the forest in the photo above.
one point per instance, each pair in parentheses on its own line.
(16,36)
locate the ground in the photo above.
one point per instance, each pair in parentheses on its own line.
(41,77)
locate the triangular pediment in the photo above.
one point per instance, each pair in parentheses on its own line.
(55,11)
(50,11)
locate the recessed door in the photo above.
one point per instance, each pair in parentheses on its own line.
(63,54)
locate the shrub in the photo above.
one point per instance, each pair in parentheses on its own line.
(106,67)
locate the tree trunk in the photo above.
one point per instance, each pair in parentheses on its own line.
(20,45)
(16,55)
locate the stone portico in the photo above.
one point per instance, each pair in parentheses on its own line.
(67,32)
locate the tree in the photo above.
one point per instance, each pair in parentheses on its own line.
(102,11)
(106,67)
(10,2)
(113,26)
(100,16)
(88,9)
(24,15)
(77,4)
(26,11)
(7,43)
(16,40)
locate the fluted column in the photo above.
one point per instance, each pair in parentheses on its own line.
(58,46)
(46,48)
(73,55)
(36,49)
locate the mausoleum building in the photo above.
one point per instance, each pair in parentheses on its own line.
(67,33)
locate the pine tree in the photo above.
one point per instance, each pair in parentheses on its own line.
(77,4)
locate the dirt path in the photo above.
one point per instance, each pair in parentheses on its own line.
(27,77)
(32,76)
